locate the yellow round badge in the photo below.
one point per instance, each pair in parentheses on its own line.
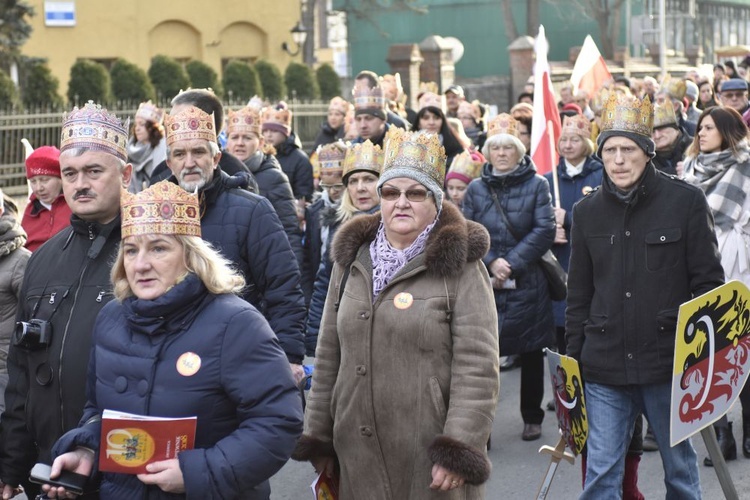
(403,300)
(586,190)
(188,364)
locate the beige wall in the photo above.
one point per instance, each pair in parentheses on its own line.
(137,30)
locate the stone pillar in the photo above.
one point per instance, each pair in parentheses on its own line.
(521,53)
(438,62)
(405,59)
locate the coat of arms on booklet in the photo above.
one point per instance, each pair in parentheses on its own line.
(129,442)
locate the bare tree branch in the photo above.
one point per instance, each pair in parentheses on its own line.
(511,32)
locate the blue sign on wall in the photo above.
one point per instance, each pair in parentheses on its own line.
(59,13)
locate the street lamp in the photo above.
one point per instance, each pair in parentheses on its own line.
(299,35)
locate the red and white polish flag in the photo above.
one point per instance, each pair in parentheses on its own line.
(590,71)
(543,138)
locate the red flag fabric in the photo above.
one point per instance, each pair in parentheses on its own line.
(543,154)
(590,71)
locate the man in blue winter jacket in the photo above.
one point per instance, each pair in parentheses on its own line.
(244,227)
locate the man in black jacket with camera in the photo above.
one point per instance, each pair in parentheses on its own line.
(65,286)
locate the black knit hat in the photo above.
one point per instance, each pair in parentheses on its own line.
(643,142)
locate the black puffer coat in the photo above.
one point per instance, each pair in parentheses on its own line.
(244,227)
(297,167)
(274,185)
(524,314)
(327,135)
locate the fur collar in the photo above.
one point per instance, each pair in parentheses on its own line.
(453,242)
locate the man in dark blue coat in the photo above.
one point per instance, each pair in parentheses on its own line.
(642,245)
(244,227)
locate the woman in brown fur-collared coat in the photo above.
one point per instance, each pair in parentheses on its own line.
(406,377)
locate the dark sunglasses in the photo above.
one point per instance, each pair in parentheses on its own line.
(392,194)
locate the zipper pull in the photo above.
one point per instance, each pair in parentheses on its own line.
(52,298)
(99,297)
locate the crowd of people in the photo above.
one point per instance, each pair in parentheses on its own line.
(187,265)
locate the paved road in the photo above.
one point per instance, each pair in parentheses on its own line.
(518,469)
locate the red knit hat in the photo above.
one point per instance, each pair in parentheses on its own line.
(44,160)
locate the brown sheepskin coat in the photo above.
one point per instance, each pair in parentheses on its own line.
(396,390)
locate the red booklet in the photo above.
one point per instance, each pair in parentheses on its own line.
(129,442)
(325,488)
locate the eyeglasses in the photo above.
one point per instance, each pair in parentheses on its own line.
(732,95)
(415,195)
(332,186)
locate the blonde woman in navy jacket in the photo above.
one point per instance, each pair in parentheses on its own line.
(179,342)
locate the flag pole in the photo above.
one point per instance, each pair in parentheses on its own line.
(552,149)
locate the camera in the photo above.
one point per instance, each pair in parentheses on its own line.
(32,334)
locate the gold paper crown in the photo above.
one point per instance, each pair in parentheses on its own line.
(245,120)
(364,156)
(339,105)
(469,108)
(463,164)
(664,114)
(628,114)
(331,156)
(368,98)
(277,114)
(163,208)
(425,87)
(503,124)
(149,112)
(191,123)
(415,150)
(432,99)
(676,88)
(576,125)
(93,127)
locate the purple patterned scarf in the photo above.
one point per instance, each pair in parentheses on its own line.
(387,261)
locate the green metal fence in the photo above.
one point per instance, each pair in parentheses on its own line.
(43,127)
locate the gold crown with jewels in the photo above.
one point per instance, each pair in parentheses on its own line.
(415,150)
(364,156)
(676,88)
(369,98)
(664,114)
(503,124)
(432,99)
(331,156)
(576,125)
(93,127)
(191,123)
(339,105)
(246,119)
(465,165)
(163,208)
(628,114)
(149,112)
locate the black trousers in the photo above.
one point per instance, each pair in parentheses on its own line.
(532,386)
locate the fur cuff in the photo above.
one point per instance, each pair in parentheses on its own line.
(308,448)
(461,458)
